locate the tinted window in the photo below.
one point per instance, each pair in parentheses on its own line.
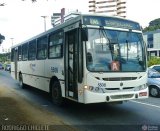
(42,48)
(12,55)
(19,53)
(150,40)
(25,51)
(157,68)
(55,45)
(32,50)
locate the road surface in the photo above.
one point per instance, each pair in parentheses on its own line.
(135,115)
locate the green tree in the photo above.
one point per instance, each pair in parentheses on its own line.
(31,0)
(3,4)
(153,25)
(153,61)
(1,38)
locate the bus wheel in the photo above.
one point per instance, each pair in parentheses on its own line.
(21,84)
(56,94)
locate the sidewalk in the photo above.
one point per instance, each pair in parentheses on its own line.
(19,114)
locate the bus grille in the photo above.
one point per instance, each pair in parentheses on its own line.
(119,78)
(120,89)
(122,96)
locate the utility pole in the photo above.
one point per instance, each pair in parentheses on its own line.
(44,17)
(12,40)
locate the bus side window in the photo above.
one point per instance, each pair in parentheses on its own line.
(32,50)
(42,48)
(25,51)
(12,55)
(55,45)
(19,53)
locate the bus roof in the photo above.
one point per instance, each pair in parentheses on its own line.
(91,19)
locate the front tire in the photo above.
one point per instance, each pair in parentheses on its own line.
(56,93)
(154,91)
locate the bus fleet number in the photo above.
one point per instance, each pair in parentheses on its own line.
(54,69)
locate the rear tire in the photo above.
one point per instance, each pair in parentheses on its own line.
(21,84)
(56,94)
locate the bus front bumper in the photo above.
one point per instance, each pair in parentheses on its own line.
(93,97)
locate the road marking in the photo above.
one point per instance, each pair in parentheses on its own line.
(145,104)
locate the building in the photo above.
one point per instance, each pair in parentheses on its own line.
(58,18)
(54,17)
(152,40)
(108,7)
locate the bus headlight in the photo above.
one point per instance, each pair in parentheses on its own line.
(93,89)
(90,88)
(85,87)
(141,87)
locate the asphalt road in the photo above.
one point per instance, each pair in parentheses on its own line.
(135,115)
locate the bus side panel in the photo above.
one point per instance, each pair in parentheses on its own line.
(39,72)
(25,69)
(55,67)
(33,73)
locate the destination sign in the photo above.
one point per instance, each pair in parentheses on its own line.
(110,22)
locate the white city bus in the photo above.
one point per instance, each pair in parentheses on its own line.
(88,59)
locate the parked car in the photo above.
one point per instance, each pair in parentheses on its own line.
(151,70)
(1,66)
(153,82)
(155,67)
(8,67)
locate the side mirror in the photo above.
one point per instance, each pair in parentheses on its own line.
(84,34)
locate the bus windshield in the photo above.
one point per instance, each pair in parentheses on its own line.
(114,50)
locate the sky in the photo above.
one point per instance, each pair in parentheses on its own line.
(21,20)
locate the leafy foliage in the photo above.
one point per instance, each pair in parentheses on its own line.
(1,38)
(2,4)
(2,57)
(5,57)
(32,0)
(153,61)
(153,25)
(154,22)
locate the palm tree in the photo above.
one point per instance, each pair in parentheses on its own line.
(1,38)
(2,4)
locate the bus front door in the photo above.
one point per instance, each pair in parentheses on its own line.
(71,57)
